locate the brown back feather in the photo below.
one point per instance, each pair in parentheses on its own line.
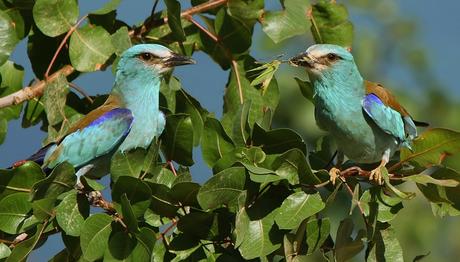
(386,97)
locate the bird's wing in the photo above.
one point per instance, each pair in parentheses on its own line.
(96,134)
(388,100)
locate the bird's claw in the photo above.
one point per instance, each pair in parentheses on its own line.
(333,174)
(376,175)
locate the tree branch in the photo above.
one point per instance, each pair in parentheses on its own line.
(34,90)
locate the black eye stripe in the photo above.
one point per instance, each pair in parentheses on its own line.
(332,57)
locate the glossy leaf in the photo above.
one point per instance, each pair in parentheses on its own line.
(11,81)
(222,189)
(215,142)
(8,37)
(345,246)
(330,24)
(71,213)
(317,231)
(432,147)
(55,17)
(13,211)
(107,8)
(296,208)
(94,236)
(177,139)
(23,249)
(174,20)
(20,179)
(137,192)
(61,179)
(292,21)
(89,48)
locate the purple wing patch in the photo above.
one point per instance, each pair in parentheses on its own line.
(122,113)
(369,101)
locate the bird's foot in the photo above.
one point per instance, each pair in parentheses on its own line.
(333,174)
(376,175)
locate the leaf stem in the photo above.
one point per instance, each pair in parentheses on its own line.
(61,45)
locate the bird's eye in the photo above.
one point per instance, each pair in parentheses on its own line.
(332,57)
(146,56)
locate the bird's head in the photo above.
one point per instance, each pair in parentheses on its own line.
(325,60)
(150,59)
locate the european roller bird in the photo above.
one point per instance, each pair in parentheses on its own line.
(130,117)
(366,121)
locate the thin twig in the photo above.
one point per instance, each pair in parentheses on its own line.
(191,11)
(61,45)
(173,224)
(206,31)
(171,166)
(358,203)
(79,90)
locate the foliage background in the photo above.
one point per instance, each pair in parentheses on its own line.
(388,37)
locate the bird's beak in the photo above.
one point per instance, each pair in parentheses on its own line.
(303,60)
(178,60)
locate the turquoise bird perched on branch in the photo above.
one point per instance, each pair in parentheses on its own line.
(130,118)
(365,119)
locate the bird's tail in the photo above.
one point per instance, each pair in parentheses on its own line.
(38,157)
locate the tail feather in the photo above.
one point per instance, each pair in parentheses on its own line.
(38,157)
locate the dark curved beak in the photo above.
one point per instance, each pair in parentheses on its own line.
(302,59)
(178,60)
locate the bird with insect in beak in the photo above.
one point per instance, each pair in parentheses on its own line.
(366,121)
(130,117)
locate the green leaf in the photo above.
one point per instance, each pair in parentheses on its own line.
(294,167)
(12,76)
(222,189)
(120,248)
(174,20)
(4,251)
(292,21)
(55,17)
(71,213)
(297,207)
(61,179)
(345,246)
(386,247)
(137,191)
(90,47)
(177,139)
(8,37)
(210,226)
(13,211)
(317,231)
(163,202)
(54,99)
(107,8)
(245,10)
(127,164)
(261,236)
(376,203)
(94,236)
(183,246)
(432,147)
(306,88)
(44,208)
(3,129)
(128,214)
(121,40)
(278,141)
(215,142)
(425,178)
(185,103)
(20,179)
(146,240)
(23,249)
(186,193)
(20,21)
(330,24)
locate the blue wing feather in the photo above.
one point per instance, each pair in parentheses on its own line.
(98,138)
(389,120)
